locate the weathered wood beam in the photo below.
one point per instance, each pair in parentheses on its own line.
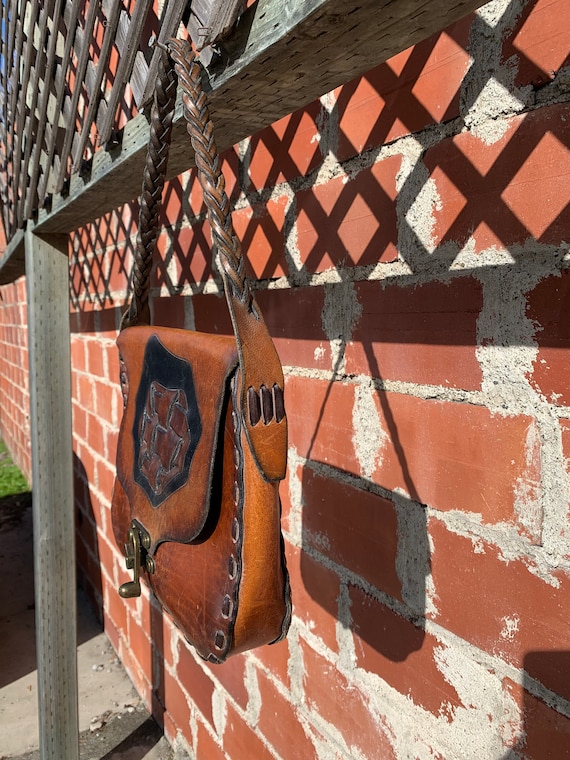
(52,479)
(12,262)
(282,56)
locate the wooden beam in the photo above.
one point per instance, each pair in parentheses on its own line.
(52,480)
(13,260)
(281,57)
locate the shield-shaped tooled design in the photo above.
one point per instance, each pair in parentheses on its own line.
(167,424)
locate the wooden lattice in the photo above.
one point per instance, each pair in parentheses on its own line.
(71,75)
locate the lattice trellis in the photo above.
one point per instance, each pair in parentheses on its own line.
(71,74)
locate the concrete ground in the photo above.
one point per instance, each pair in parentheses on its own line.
(112,721)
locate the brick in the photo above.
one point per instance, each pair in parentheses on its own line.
(565,430)
(78,361)
(319,415)
(425,334)
(105,478)
(96,434)
(196,682)
(444,454)
(206,747)
(287,149)
(350,222)
(117,267)
(189,251)
(107,554)
(342,705)
(487,191)
(293,317)
(414,89)
(115,607)
(112,358)
(514,612)
(538,45)
(275,658)
(85,391)
(315,590)
(401,653)
(211,314)
(260,230)
(547,308)
(240,740)
(111,436)
(232,678)
(79,422)
(168,312)
(356,529)
(458,456)
(177,706)
(107,398)
(545,732)
(172,200)
(139,643)
(279,723)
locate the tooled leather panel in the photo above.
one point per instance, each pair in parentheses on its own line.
(153,423)
(167,425)
(198,583)
(164,439)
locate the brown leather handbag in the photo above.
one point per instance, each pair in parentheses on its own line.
(203,439)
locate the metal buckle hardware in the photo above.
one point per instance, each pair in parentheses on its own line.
(137,557)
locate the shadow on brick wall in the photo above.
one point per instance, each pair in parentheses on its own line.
(88,564)
(448,194)
(544,731)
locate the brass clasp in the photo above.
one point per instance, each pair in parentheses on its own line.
(137,557)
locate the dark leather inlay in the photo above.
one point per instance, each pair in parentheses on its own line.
(167,425)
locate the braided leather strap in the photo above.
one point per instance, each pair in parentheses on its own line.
(151,197)
(201,131)
(261,376)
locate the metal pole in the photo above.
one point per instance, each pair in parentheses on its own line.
(47,280)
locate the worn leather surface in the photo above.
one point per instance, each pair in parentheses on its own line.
(216,541)
(181,514)
(261,368)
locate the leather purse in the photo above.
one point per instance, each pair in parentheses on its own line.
(203,440)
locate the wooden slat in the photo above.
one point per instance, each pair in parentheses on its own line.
(31,119)
(212,21)
(101,69)
(80,74)
(125,66)
(8,82)
(71,24)
(31,199)
(19,117)
(276,50)
(169,24)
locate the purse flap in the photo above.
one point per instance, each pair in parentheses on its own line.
(175,383)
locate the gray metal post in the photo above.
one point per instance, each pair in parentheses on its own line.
(47,276)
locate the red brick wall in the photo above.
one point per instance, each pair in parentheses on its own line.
(408,236)
(14,377)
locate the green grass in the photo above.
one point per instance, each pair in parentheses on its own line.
(11,479)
